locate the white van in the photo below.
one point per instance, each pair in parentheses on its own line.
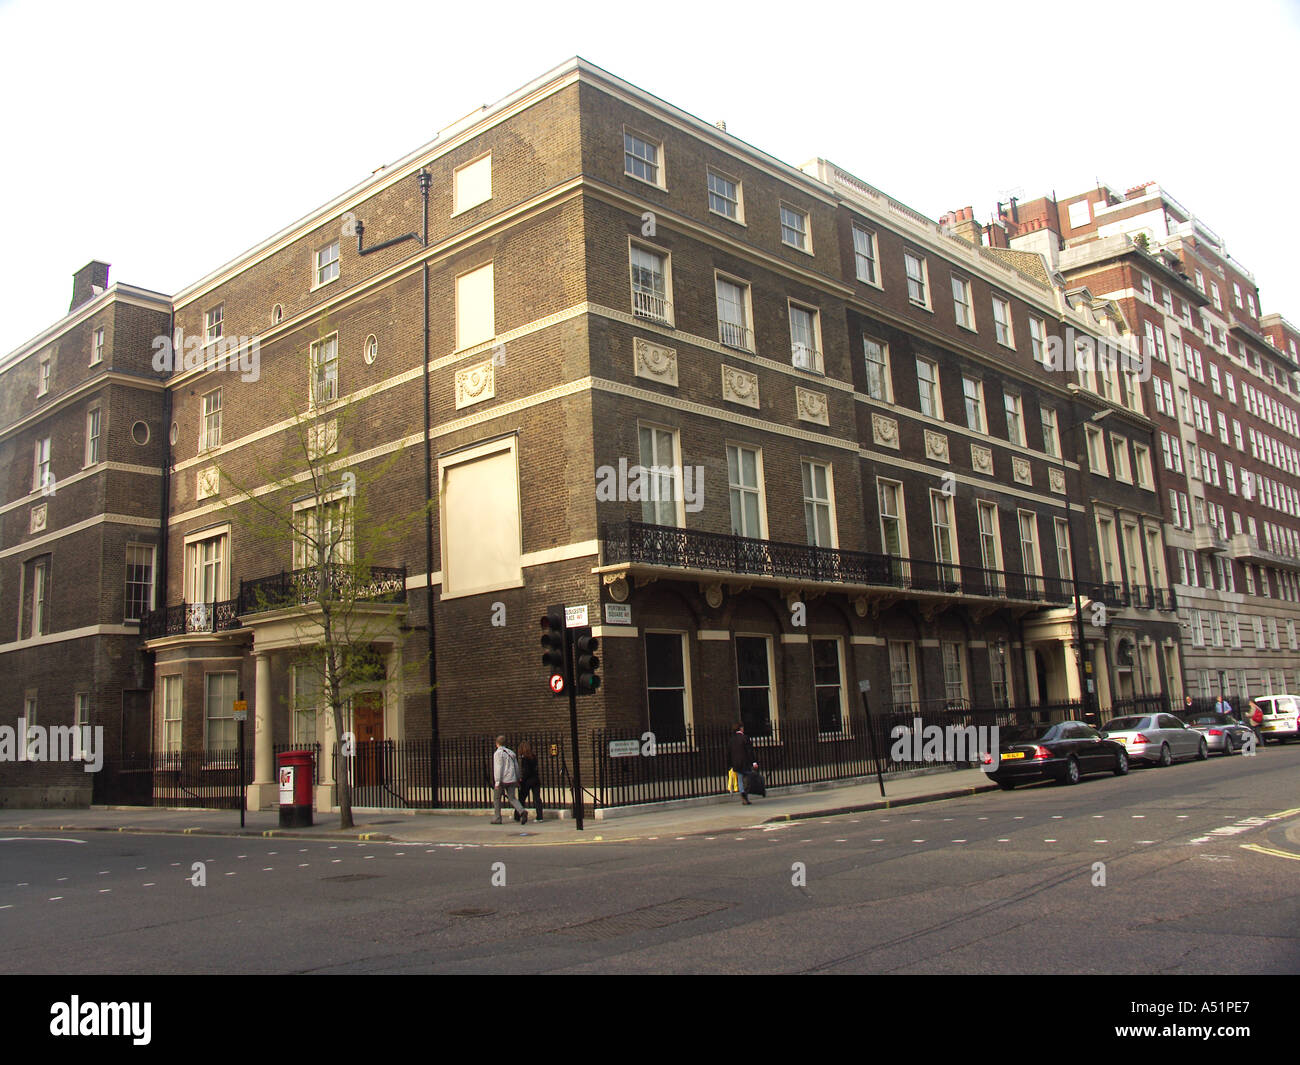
(1281,717)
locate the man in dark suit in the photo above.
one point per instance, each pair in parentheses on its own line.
(740,755)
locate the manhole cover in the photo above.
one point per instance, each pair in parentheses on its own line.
(660,915)
(348,878)
(471,911)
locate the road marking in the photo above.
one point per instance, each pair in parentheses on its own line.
(1139,817)
(1285,813)
(959,841)
(150,885)
(1101,841)
(105,890)
(57,898)
(232,874)
(1057,817)
(1183,817)
(877,841)
(61,879)
(103,872)
(1146,841)
(140,868)
(38,839)
(918,841)
(268,869)
(303,865)
(7,906)
(1269,850)
(1049,841)
(1004,841)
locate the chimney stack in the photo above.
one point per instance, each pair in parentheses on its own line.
(961,223)
(88,282)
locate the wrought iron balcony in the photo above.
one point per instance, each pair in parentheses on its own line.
(651,305)
(184,618)
(662,546)
(1112,593)
(734,335)
(299,587)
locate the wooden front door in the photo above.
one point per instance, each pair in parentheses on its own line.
(368,728)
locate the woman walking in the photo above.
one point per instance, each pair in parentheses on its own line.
(529,777)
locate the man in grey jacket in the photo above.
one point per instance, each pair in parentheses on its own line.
(505,779)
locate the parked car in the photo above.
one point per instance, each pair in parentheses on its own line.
(1281,717)
(1223,732)
(1064,752)
(1158,738)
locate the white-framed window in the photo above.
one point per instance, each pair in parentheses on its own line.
(1033,567)
(1236,295)
(794,228)
(651,284)
(745,484)
(1037,336)
(961,302)
(902,673)
(755,684)
(725,196)
(954,673)
(322,532)
(1015,417)
(139,581)
(999,673)
(471,184)
(805,337)
(668,686)
(475,306)
(643,158)
(41,475)
(990,542)
(327,263)
(213,322)
(1096,451)
(81,710)
(36,598)
(879,381)
(97,347)
(828,685)
(44,373)
(1002,327)
(1119,452)
(1142,465)
(945,539)
(927,384)
(221,730)
(1215,298)
(819,503)
(1200,281)
(172,691)
(94,421)
(659,457)
(866,255)
(893,523)
(308,701)
(325,370)
(210,437)
(918,284)
(207,566)
(1064,559)
(973,393)
(1108,550)
(1051,432)
(733,313)
(1144,283)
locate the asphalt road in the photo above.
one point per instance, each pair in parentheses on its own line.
(1198,874)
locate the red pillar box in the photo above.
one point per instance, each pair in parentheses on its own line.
(295,773)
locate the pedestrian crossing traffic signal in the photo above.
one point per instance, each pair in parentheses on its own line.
(585,662)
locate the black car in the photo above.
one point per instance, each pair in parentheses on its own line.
(1064,752)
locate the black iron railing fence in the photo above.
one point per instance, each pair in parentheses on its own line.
(620,767)
(661,545)
(1139,704)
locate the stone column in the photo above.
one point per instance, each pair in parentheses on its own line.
(263,794)
(1031,675)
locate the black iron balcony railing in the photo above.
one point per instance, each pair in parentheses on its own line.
(379,584)
(634,542)
(183,618)
(1112,593)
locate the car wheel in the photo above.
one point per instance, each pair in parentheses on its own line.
(1071,772)
(1121,763)
(1166,758)
(1203,751)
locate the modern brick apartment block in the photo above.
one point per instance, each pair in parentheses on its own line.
(82,448)
(1224,394)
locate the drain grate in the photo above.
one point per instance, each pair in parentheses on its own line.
(660,915)
(348,878)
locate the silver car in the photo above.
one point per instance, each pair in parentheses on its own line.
(1223,732)
(1158,738)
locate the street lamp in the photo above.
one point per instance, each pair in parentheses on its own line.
(1079,654)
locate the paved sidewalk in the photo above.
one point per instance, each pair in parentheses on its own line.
(473,828)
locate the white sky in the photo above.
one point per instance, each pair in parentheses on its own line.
(167,137)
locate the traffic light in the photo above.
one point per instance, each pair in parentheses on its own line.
(553,649)
(585,662)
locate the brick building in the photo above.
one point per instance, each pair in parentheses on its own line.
(82,449)
(780,433)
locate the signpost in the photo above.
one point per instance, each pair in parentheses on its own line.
(864,686)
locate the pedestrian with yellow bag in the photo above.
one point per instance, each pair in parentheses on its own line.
(740,756)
